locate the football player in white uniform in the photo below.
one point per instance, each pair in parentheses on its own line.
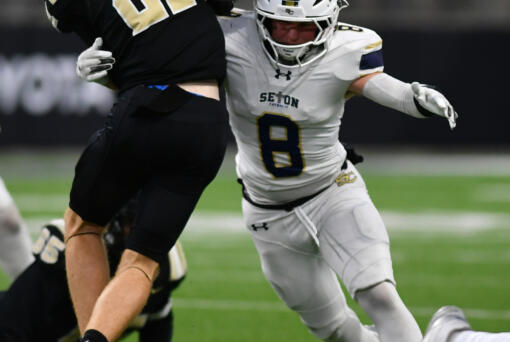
(15,243)
(449,324)
(290,69)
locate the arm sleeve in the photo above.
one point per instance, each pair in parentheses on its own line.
(390,92)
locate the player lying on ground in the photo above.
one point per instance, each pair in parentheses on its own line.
(15,251)
(449,324)
(291,66)
(37,306)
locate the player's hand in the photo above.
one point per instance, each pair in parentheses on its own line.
(434,102)
(93,64)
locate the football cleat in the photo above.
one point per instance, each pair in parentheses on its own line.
(444,322)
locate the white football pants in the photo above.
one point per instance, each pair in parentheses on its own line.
(338,232)
(15,242)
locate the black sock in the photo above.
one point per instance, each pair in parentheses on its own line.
(92,335)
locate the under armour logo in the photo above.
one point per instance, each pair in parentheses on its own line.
(263,225)
(279,73)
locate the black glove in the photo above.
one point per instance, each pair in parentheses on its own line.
(352,156)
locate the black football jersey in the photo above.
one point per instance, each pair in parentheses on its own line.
(153,41)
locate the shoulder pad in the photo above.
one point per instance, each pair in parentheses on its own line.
(356,50)
(356,38)
(239,30)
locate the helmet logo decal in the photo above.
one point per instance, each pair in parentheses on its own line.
(293,3)
(289,11)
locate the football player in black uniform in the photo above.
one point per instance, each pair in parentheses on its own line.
(37,306)
(165,137)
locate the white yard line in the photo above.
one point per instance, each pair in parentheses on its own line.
(429,221)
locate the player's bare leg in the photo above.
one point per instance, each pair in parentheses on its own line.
(86,264)
(15,243)
(392,319)
(129,289)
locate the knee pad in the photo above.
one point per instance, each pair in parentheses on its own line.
(10,219)
(381,296)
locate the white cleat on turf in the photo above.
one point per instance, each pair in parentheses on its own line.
(444,322)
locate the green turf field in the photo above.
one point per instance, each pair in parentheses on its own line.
(450,244)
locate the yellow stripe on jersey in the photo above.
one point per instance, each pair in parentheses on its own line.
(178,263)
(374,45)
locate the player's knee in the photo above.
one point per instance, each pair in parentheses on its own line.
(10,219)
(382,296)
(132,260)
(76,226)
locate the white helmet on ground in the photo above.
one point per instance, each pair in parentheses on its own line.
(323,13)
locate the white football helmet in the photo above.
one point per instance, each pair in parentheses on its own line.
(323,13)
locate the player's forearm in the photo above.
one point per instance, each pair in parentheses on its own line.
(393,93)
(415,99)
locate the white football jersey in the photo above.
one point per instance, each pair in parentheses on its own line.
(286,120)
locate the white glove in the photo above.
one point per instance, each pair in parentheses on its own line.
(93,64)
(434,102)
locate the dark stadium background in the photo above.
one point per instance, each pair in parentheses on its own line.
(461,46)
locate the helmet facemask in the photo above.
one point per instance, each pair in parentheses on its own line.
(322,13)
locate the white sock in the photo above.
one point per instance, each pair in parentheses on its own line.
(392,319)
(479,336)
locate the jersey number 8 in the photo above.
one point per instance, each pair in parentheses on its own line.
(140,15)
(274,148)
